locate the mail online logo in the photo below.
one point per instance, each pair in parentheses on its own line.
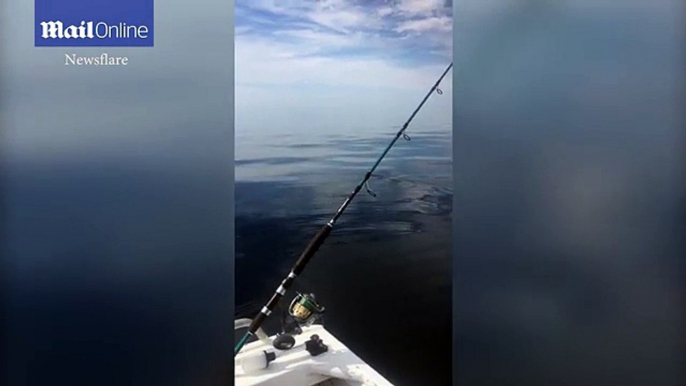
(94,23)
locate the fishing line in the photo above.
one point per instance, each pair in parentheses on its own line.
(324,232)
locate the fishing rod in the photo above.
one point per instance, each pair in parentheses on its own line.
(324,232)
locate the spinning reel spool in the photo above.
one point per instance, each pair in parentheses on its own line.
(302,312)
(305,309)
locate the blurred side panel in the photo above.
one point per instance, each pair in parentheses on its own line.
(569,206)
(117,212)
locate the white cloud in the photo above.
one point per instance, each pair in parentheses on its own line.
(263,62)
(303,38)
(337,15)
(442,24)
(242,29)
(421,7)
(321,39)
(346,16)
(385,11)
(328,27)
(342,19)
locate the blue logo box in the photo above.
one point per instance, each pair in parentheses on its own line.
(94,23)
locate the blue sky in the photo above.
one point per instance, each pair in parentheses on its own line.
(302,63)
(407,32)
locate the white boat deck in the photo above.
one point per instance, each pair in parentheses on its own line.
(296,367)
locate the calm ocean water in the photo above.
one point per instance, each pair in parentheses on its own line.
(384,273)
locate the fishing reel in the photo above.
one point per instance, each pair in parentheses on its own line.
(302,312)
(305,309)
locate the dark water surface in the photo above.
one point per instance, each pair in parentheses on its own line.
(384,273)
(570,193)
(116,274)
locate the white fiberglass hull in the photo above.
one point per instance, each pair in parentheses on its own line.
(296,367)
